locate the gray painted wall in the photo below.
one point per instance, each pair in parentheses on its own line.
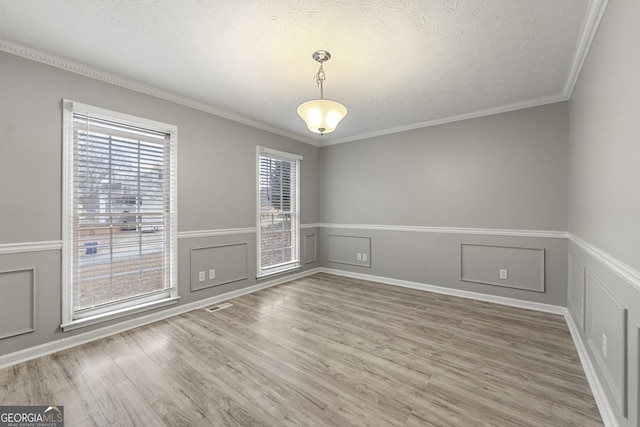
(507,171)
(216,188)
(503,171)
(216,157)
(604,207)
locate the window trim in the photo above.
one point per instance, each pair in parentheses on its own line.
(292,265)
(68,321)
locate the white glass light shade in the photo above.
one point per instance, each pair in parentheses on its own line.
(322,115)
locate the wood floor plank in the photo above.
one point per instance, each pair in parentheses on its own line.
(322,351)
(210,396)
(178,410)
(95,365)
(219,403)
(123,405)
(20,385)
(273,395)
(80,406)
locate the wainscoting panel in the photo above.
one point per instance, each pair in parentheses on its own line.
(482,264)
(575,291)
(351,250)
(228,261)
(607,338)
(310,249)
(17,302)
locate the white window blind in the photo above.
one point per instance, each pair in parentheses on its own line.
(120,229)
(278,211)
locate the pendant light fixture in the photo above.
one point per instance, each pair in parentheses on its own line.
(321,115)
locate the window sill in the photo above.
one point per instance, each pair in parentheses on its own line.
(288,269)
(116,314)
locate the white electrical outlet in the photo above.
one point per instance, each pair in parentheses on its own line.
(201,276)
(503,273)
(359,257)
(604,345)
(364,257)
(212,274)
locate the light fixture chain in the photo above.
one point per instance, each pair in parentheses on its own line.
(319,78)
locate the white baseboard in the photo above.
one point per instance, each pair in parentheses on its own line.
(538,306)
(606,411)
(75,340)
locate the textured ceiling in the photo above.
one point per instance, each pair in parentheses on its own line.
(395,64)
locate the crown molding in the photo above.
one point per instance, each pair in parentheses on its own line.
(536,102)
(587,34)
(74,67)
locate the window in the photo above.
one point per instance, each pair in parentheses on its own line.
(278,211)
(119,215)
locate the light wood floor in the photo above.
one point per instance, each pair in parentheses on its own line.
(322,351)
